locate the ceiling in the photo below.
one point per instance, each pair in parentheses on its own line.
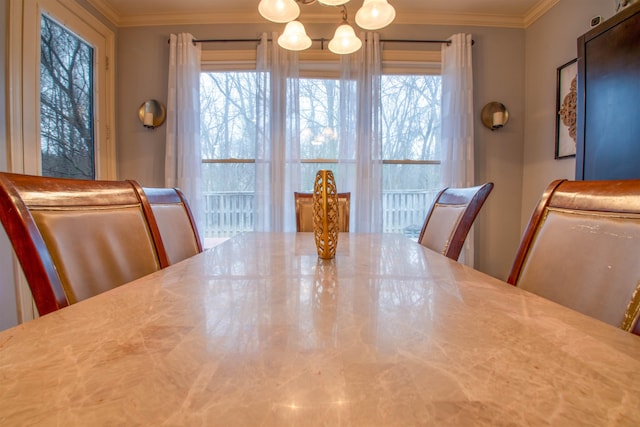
(502,13)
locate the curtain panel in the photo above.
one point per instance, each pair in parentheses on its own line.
(183,156)
(360,162)
(277,137)
(278,167)
(457,169)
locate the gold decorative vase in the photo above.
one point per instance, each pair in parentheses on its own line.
(325,214)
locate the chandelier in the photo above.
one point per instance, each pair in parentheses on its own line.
(373,15)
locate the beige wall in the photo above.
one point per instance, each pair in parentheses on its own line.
(550,42)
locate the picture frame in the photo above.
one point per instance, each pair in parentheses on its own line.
(566,98)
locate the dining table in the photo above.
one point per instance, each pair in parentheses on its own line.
(260,331)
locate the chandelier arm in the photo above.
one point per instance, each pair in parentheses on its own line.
(344,13)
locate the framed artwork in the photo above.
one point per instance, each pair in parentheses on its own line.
(566,109)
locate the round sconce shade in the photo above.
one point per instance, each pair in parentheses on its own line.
(494,115)
(152,113)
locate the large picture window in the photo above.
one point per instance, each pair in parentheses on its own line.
(410,107)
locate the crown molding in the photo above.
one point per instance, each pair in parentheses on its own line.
(463,19)
(107,11)
(538,10)
(192,18)
(407,18)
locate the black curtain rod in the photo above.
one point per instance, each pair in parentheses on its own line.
(316,40)
(321,40)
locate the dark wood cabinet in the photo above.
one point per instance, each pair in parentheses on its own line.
(608,99)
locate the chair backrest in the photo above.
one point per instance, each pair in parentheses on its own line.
(175,221)
(77,238)
(580,249)
(450,218)
(304,211)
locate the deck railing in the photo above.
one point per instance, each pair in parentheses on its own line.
(227,213)
(404,211)
(230,213)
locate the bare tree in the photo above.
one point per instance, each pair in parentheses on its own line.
(228,128)
(411,128)
(66,103)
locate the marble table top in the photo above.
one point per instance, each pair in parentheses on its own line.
(259,332)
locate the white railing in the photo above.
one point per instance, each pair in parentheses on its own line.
(404,211)
(230,213)
(227,213)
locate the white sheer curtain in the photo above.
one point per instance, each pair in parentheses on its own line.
(183,155)
(277,137)
(360,167)
(457,121)
(278,167)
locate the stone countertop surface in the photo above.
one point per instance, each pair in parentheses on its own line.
(259,331)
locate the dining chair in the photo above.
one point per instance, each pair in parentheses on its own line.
(77,238)
(177,226)
(450,218)
(304,211)
(580,249)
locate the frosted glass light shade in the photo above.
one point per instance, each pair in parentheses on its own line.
(279,10)
(375,14)
(333,2)
(344,41)
(294,37)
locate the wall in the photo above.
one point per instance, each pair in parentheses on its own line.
(499,76)
(549,43)
(8,315)
(3,84)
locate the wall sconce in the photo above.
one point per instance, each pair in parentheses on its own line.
(152,113)
(494,115)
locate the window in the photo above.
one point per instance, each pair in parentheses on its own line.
(62,110)
(410,128)
(410,134)
(319,100)
(227,134)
